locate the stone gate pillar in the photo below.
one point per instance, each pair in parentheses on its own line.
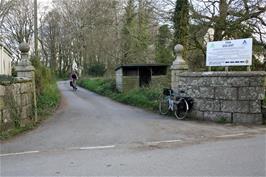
(24,67)
(178,66)
(26,70)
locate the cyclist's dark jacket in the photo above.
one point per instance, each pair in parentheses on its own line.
(74,76)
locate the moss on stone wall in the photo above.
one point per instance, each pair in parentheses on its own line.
(4,78)
(234,96)
(15,104)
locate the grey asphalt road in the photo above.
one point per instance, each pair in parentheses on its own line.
(93,135)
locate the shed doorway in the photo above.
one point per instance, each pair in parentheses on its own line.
(144,76)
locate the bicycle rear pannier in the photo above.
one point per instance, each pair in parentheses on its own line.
(190,102)
(167,91)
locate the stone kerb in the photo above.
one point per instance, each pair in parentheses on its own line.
(232,96)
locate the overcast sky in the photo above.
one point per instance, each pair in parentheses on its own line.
(45,1)
(44,6)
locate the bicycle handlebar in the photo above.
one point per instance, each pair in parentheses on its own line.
(167,91)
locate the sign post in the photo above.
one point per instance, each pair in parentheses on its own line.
(230,53)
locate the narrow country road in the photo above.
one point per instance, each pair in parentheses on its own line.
(93,135)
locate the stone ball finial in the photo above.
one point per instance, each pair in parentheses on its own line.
(24,47)
(179,63)
(178,49)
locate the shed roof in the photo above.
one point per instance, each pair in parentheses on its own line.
(140,65)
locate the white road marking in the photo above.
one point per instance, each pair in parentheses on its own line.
(19,153)
(93,147)
(77,148)
(114,146)
(160,142)
(232,135)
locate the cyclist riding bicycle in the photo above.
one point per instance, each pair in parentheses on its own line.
(73,82)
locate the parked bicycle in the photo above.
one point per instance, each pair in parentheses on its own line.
(176,102)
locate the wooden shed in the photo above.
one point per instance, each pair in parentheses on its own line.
(140,75)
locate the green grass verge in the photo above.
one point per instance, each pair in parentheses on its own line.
(145,97)
(15,131)
(48,100)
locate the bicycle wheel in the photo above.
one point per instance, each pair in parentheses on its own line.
(181,109)
(164,105)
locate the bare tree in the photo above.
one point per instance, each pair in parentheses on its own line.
(229,17)
(87,34)
(5,7)
(226,19)
(50,31)
(18,24)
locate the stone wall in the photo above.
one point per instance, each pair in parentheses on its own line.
(224,96)
(264,114)
(119,79)
(126,83)
(16,103)
(130,82)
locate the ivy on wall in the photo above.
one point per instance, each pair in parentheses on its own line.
(12,105)
(4,78)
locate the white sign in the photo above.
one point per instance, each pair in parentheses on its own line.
(230,53)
